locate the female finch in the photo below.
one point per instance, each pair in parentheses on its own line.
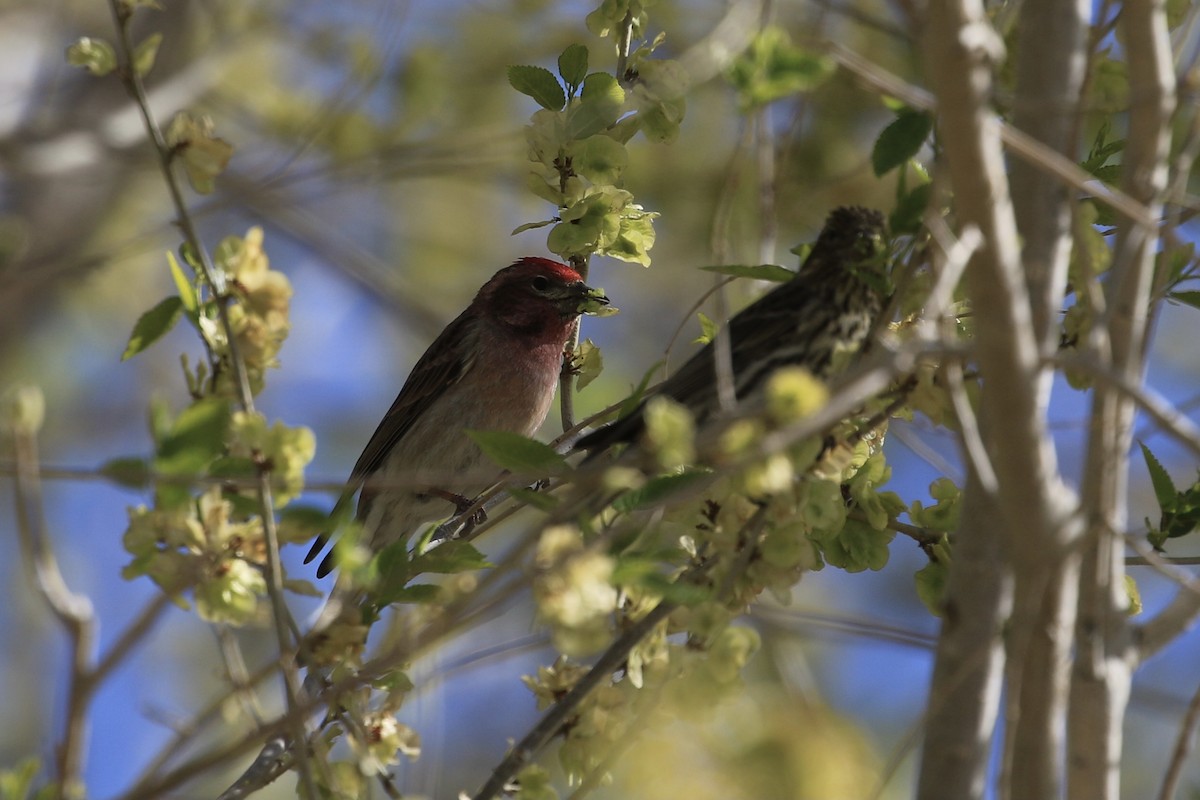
(493,368)
(827,309)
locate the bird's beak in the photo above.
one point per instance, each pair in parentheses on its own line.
(592,301)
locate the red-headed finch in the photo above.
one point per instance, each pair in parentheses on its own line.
(494,368)
(828,308)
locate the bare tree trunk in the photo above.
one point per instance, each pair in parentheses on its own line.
(964,695)
(1051,61)
(1105,656)
(1035,507)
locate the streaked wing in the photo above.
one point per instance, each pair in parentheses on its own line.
(756,330)
(442,366)
(801,322)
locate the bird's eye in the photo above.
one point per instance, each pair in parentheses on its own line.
(541,283)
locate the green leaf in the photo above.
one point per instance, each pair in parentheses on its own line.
(203,154)
(907,216)
(393,681)
(773,67)
(1188,298)
(708,329)
(856,547)
(540,84)
(145,53)
(448,558)
(195,438)
(598,158)
(519,454)
(901,140)
(572,66)
(204,160)
(1101,151)
(391,570)
(589,363)
(228,253)
(302,587)
(1175,260)
(601,102)
(758,272)
(17,781)
(130,472)
(1133,596)
(1164,488)
(660,123)
(233,468)
(931,586)
(95,55)
(300,523)
(152,325)
(158,419)
(1183,517)
(635,397)
(655,490)
(187,292)
(528,226)
(684,594)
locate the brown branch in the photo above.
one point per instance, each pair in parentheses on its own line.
(73,612)
(546,728)
(1183,746)
(609,662)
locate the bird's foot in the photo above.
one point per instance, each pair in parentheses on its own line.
(461,505)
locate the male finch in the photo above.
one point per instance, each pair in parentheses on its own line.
(828,308)
(494,368)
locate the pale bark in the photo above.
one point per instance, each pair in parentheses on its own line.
(964,694)
(1034,506)
(1105,654)
(1051,61)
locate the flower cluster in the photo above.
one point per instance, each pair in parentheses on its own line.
(259,320)
(577,139)
(573,591)
(214,545)
(599,721)
(198,546)
(284,450)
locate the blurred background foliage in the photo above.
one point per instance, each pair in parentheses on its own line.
(379,145)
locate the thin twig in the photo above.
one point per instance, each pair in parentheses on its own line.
(636,727)
(236,672)
(130,637)
(74,613)
(1177,425)
(121,15)
(458,615)
(552,721)
(1183,746)
(1179,561)
(924,538)
(1021,144)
